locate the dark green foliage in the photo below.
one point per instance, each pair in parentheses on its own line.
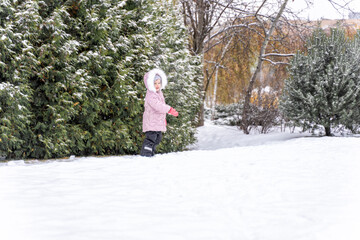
(17,65)
(324,84)
(183,74)
(71,79)
(227,114)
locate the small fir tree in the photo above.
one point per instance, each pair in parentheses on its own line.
(324,84)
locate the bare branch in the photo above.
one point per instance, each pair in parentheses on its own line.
(261,6)
(246,107)
(275,63)
(231,27)
(215,63)
(278,55)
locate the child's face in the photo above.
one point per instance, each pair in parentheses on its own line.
(157,84)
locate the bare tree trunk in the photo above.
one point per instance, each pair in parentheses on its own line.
(245,123)
(202,113)
(224,51)
(214,96)
(201,17)
(327,131)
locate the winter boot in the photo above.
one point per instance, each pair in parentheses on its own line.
(152,139)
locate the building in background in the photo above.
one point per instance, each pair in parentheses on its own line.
(354,15)
(349,24)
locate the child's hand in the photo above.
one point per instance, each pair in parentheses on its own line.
(173,112)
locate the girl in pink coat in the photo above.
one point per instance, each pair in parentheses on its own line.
(154,118)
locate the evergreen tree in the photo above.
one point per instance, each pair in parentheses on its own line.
(71,76)
(17,65)
(183,70)
(324,84)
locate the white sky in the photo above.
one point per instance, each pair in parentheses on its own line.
(323,9)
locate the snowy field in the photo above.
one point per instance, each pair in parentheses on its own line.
(279,186)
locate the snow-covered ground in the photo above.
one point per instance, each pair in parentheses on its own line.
(279,186)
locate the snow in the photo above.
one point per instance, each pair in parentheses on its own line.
(229,186)
(3,86)
(212,137)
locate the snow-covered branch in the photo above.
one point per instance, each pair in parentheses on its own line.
(278,55)
(230,27)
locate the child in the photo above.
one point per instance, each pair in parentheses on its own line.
(154,118)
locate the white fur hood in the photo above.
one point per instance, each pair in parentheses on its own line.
(150,77)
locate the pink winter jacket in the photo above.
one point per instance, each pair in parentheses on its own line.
(154,118)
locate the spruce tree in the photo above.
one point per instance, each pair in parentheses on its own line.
(324,83)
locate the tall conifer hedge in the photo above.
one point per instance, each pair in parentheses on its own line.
(71,76)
